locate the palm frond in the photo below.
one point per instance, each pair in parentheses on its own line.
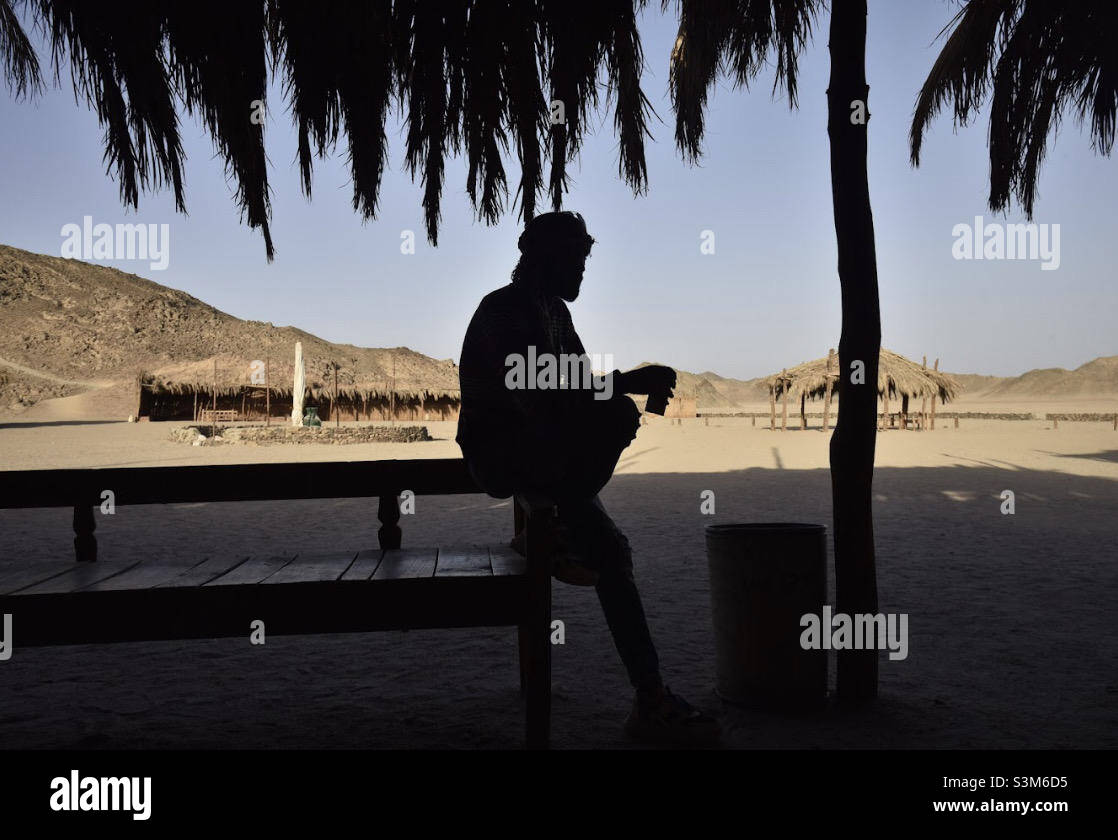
(219,71)
(734,38)
(17,56)
(485,104)
(469,76)
(1034,60)
(624,61)
(126,81)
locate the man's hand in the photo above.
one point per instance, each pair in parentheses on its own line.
(650,379)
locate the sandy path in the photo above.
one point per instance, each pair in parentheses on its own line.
(42,374)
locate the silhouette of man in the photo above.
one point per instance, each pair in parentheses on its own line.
(560,442)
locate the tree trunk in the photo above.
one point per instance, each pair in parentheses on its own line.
(854,440)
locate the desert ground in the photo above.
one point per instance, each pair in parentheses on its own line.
(1012,637)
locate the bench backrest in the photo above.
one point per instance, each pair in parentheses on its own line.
(234,482)
(84,489)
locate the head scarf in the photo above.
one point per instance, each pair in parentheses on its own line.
(555,232)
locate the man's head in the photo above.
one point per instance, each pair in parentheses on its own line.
(554,248)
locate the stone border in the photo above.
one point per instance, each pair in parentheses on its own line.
(199,434)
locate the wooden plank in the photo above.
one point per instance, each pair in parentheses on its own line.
(143,576)
(365,565)
(463,561)
(204,572)
(309,568)
(17,578)
(78,577)
(407,563)
(505,561)
(225,611)
(253,570)
(234,482)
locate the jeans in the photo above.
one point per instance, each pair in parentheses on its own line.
(587,530)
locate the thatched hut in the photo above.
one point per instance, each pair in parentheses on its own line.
(257,391)
(897,378)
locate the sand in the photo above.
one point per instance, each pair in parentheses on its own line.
(1012,632)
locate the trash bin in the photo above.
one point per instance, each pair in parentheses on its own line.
(763,578)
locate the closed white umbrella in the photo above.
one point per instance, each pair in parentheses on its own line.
(300,386)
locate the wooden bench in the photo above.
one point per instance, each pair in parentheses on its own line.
(219,415)
(359,590)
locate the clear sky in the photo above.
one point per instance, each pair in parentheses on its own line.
(767,298)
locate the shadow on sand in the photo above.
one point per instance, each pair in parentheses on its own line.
(33,424)
(1012,637)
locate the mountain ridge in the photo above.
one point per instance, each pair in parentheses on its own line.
(70,325)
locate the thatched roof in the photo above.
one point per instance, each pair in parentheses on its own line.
(900,375)
(235,374)
(471,78)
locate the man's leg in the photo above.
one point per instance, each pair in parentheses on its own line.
(603,547)
(658,715)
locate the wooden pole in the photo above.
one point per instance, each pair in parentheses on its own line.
(932,416)
(772,409)
(195,405)
(803,415)
(885,407)
(783,404)
(213,417)
(393,389)
(334,407)
(923,400)
(827,392)
(267,395)
(904,411)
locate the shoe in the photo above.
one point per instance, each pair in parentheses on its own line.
(671,721)
(565,566)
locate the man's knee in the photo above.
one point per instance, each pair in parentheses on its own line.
(596,537)
(617,555)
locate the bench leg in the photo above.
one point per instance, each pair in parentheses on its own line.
(535,635)
(85,544)
(537,679)
(518,525)
(523,654)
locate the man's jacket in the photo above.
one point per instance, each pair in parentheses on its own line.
(514,438)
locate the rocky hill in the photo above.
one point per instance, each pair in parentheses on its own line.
(68,326)
(1098,377)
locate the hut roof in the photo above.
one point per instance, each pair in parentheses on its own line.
(235,374)
(899,375)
